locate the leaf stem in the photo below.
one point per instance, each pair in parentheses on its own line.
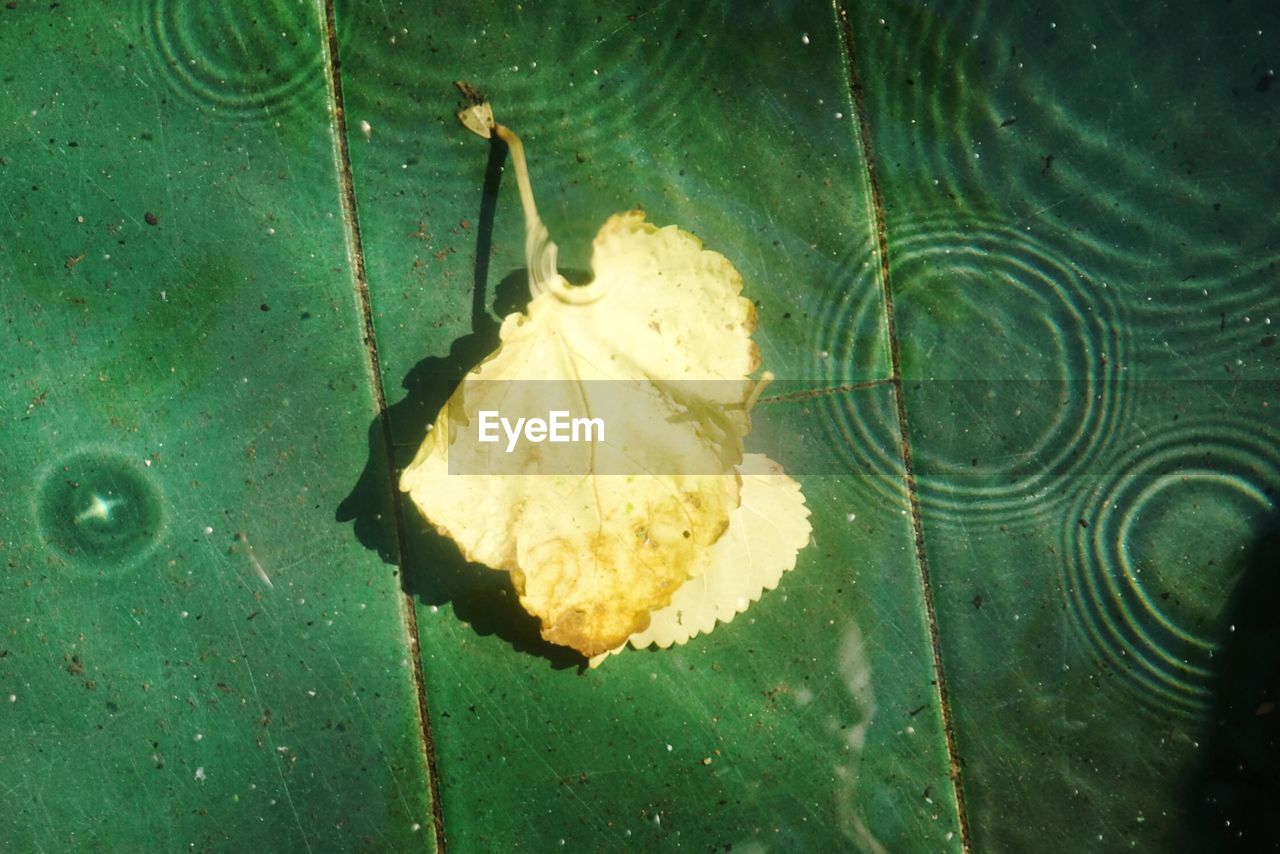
(758,389)
(539,251)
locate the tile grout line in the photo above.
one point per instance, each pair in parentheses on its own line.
(355,252)
(810,393)
(917,524)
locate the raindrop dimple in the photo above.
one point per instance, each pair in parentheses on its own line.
(99,510)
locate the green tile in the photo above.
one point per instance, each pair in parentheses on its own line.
(1084,291)
(193,652)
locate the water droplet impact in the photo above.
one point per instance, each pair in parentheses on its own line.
(236,65)
(1017,350)
(99,510)
(1149,575)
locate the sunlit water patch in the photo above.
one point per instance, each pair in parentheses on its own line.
(1220,319)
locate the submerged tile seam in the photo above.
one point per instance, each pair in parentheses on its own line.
(810,393)
(882,245)
(355,251)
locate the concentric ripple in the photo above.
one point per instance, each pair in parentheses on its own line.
(849,339)
(239,61)
(585,74)
(1011,359)
(1158,546)
(852,312)
(1023,113)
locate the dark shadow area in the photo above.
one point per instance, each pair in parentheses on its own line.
(435,572)
(1235,796)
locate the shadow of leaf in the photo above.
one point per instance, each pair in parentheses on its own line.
(434,571)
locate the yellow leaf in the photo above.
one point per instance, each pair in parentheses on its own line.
(657,346)
(765,532)
(590,555)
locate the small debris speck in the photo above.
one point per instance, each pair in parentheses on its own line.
(151,218)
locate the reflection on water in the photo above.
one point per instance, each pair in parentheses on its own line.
(578,69)
(1105,225)
(855,669)
(862,427)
